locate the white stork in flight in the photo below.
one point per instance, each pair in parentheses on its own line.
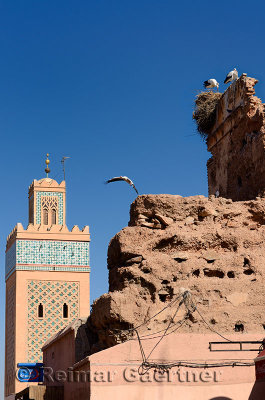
(211,83)
(231,76)
(123,178)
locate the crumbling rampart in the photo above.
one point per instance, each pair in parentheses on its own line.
(212,247)
(237,167)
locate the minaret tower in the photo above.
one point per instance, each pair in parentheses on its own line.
(47,277)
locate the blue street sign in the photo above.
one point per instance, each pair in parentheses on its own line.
(30,372)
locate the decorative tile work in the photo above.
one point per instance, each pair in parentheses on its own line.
(10,339)
(40,196)
(10,262)
(46,268)
(52,252)
(52,295)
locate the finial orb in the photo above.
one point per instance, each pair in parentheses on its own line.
(47,162)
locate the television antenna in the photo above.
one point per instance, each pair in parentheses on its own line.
(63,164)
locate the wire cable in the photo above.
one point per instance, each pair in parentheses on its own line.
(209,326)
(164,334)
(181,322)
(153,316)
(164,367)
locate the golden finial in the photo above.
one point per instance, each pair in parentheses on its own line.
(47,162)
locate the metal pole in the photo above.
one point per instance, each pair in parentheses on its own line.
(63,164)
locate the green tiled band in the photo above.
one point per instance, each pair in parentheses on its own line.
(25,253)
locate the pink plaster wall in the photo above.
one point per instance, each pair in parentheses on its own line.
(59,356)
(108,368)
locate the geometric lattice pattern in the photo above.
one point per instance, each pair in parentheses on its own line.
(10,338)
(52,295)
(49,202)
(59,200)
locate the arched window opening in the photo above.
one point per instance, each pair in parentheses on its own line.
(40,311)
(53,216)
(65,310)
(45,216)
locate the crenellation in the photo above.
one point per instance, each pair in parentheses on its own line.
(45,183)
(41,231)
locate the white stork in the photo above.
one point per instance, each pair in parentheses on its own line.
(123,178)
(231,76)
(211,83)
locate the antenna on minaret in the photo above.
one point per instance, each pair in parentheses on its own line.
(63,161)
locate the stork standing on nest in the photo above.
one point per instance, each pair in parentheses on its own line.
(211,83)
(123,178)
(231,76)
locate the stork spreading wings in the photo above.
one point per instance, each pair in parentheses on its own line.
(231,76)
(123,178)
(211,83)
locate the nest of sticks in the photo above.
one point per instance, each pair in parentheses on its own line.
(205,112)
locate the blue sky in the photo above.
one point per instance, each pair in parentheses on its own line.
(111,84)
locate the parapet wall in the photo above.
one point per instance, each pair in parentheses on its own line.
(52,232)
(237,166)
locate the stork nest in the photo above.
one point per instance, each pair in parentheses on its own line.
(205,112)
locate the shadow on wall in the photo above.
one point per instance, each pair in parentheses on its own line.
(258,391)
(220,398)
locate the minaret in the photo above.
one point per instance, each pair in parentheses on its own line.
(47,277)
